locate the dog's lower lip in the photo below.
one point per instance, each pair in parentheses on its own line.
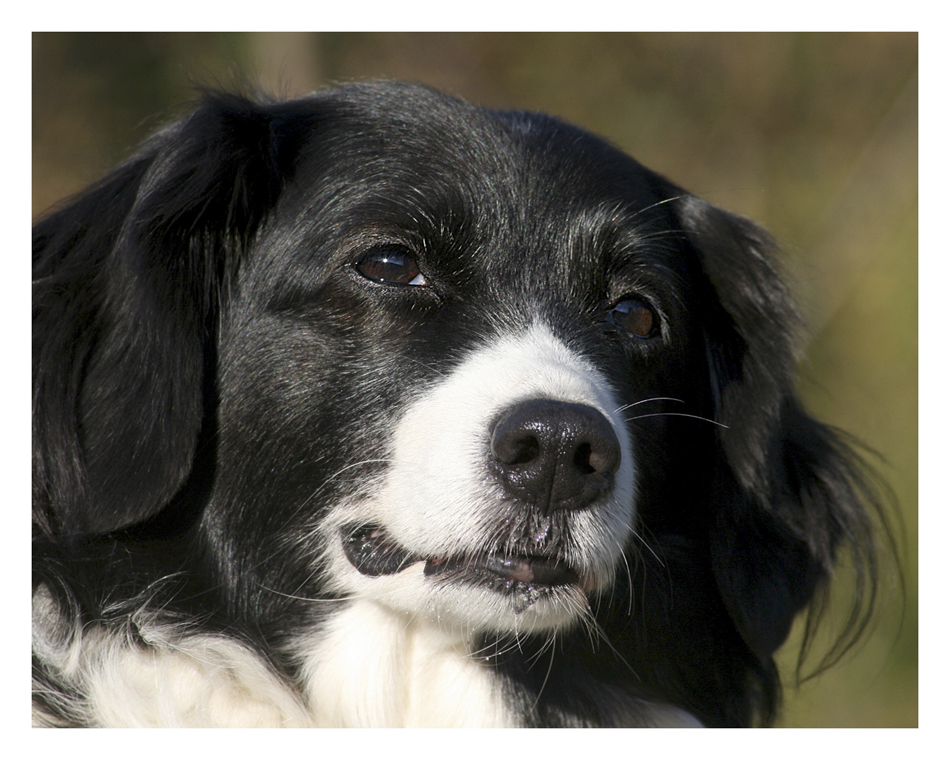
(534,571)
(371,551)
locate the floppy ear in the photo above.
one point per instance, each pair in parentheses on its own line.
(126,282)
(787,489)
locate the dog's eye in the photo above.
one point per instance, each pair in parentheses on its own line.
(392,265)
(634,316)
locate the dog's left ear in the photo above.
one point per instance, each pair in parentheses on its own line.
(787,490)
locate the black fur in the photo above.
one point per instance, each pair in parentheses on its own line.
(201,368)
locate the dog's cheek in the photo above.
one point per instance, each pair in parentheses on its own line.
(296,435)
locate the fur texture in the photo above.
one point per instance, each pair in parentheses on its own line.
(377,408)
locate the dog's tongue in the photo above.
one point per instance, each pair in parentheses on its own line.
(510,567)
(529,570)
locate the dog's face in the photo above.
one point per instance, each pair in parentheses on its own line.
(441,335)
(477,368)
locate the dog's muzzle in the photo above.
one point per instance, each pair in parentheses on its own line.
(548,456)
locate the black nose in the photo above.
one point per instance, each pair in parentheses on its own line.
(553,454)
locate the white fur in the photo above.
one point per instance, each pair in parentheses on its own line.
(170,680)
(199,681)
(437,498)
(376,668)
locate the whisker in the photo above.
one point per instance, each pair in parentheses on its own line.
(594,629)
(629,573)
(646,545)
(677,414)
(428,367)
(355,464)
(646,400)
(305,503)
(662,202)
(307,598)
(487,649)
(548,645)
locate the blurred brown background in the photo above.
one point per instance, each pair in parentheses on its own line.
(812,135)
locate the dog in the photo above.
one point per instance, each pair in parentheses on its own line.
(377,408)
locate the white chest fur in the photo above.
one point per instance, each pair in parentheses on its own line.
(376,668)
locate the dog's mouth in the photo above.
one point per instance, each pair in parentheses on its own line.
(372,551)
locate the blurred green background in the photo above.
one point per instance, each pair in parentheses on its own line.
(812,135)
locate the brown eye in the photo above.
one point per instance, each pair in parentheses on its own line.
(634,316)
(392,265)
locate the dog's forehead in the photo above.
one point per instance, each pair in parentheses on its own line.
(409,139)
(485,178)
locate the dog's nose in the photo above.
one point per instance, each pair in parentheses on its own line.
(554,454)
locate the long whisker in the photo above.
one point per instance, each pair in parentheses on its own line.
(305,503)
(643,542)
(549,644)
(677,414)
(307,598)
(422,364)
(596,633)
(354,464)
(629,574)
(646,400)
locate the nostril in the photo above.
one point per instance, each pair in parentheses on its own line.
(583,459)
(600,456)
(515,450)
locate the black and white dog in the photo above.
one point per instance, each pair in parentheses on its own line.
(377,408)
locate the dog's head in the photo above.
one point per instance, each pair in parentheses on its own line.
(477,366)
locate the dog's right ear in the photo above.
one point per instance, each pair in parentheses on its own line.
(126,283)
